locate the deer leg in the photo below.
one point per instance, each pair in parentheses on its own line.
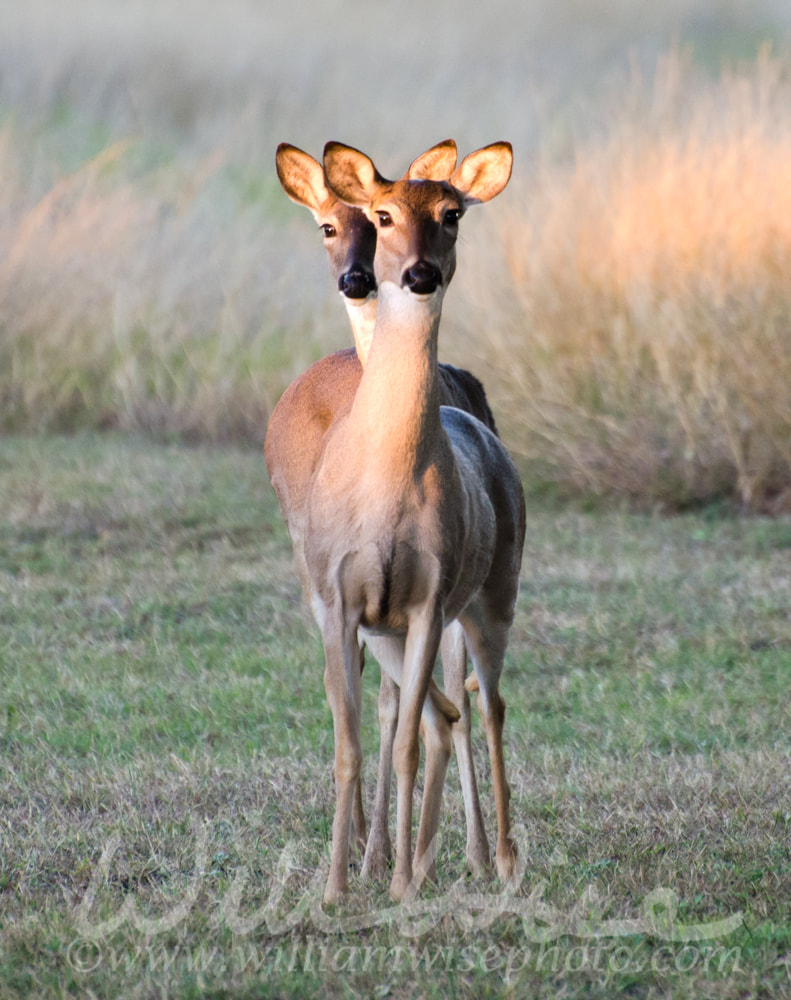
(435,728)
(422,643)
(342,684)
(454,665)
(378,852)
(487,647)
(357,836)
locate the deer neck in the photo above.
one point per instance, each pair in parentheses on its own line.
(396,409)
(362,318)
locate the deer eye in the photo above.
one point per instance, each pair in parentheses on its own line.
(385,219)
(328,230)
(451,217)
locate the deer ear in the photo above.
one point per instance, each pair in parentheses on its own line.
(436,164)
(301,176)
(483,174)
(350,175)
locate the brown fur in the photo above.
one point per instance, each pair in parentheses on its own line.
(415,513)
(295,439)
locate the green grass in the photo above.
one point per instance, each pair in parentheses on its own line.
(161,684)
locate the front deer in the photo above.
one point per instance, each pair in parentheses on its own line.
(415,514)
(294,442)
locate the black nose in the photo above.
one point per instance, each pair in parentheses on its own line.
(356,283)
(422,278)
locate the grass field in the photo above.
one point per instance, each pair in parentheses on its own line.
(166,790)
(626,298)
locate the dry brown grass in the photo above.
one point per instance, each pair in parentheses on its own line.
(640,315)
(130,303)
(629,308)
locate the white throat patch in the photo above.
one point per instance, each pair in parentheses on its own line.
(362,316)
(400,300)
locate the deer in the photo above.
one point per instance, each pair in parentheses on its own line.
(294,440)
(415,513)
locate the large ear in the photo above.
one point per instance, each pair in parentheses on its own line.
(436,164)
(301,176)
(350,174)
(483,174)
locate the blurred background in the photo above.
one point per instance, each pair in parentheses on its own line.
(626,300)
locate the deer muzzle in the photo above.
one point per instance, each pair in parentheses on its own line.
(356,283)
(422,278)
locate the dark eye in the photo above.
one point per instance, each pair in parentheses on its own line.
(451,217)
(328,230)
(385,219)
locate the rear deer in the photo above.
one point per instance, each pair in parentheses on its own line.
(415,513)
(295,437)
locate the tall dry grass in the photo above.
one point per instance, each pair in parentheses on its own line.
(624,300)
(638,314)
(132,302)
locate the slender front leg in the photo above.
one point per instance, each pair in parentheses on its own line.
(389,652)
(342,684)
(357,837)
(379,849)
(438,714)
(454,666)
(423,636)
(487,646)
(435,729)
